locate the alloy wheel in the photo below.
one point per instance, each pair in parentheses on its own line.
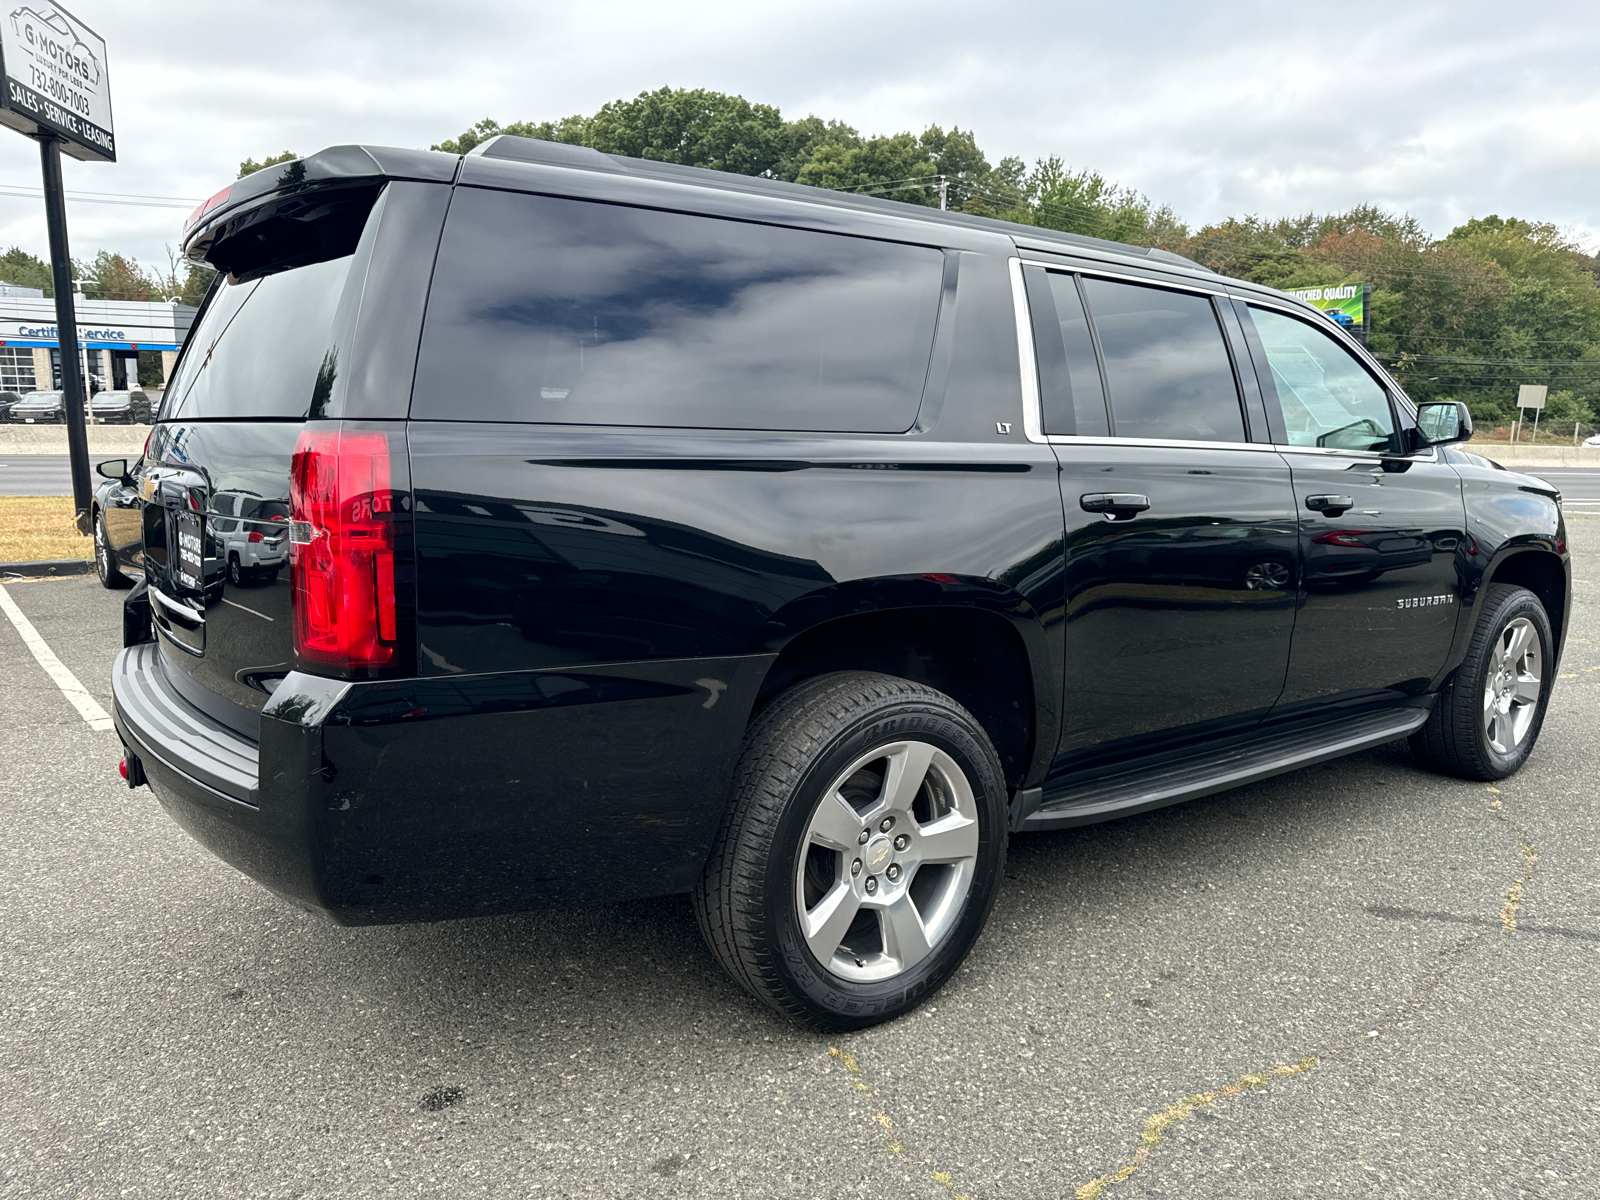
(102,550)
(887,862)
(1512,685)
(1266,576)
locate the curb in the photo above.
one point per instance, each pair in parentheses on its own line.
(48,566)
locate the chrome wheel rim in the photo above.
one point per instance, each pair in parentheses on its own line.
(102,552)
(1512,686)
(887,861)
(1266,577)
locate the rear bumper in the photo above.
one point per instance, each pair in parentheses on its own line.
(427,799)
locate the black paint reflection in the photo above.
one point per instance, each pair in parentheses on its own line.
(1180,618)
(545,309)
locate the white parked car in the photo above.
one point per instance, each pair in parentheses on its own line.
(1594,441)
(250,536)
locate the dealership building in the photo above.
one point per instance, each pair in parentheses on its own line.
(120,340)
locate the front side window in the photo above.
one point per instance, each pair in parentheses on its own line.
(569,311)
(1328,398)
(1167,367)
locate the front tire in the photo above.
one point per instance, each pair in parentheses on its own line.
(862,852)
(1488,716)
(105,559)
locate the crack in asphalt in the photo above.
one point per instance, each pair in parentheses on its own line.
(1422,991)
(894,1145)
(1391,913)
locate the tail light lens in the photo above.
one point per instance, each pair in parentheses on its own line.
(1345,537)
(342,549)
(255,536)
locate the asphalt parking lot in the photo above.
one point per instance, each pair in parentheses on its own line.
(1356,980)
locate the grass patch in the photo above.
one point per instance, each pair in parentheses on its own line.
(40,527)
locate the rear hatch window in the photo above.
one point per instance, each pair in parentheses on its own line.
(264,356)
(260,346)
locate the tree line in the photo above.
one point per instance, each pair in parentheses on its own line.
(1495,303)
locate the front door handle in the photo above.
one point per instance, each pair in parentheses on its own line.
(1331,505)
(1118,506)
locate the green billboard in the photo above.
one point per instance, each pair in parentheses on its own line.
(1345,303)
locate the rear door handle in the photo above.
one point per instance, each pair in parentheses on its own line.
(1332,505)
(1117,505)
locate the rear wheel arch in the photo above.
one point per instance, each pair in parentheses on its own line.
(973,655)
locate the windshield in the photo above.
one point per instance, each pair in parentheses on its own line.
(41,397)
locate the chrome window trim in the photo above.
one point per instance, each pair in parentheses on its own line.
(1431,454)
(1032,409)
(1174,284)
(1028,364)
(1027,359)
(1061,439)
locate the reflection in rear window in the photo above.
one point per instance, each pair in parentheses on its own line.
(259,348)
(545,309)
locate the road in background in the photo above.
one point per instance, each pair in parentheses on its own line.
(43,474)
(1580,486)
(1357,980)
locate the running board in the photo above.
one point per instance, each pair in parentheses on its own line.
(1208,770)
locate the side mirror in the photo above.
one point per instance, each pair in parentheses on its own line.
(1443,422)
(114,468)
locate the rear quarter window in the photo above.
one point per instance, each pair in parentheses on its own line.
(575,312)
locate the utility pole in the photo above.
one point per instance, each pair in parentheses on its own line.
(55,212)
(54,51)
(944,194)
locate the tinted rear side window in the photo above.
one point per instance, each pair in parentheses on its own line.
(1167,368)
(1069,375)
(569,311)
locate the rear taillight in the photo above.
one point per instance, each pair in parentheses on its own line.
(342,549)
(255,536)
(1344,537)
(205,207)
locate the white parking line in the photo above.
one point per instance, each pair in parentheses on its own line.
(77,695)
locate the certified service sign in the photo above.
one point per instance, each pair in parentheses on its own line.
(55,78)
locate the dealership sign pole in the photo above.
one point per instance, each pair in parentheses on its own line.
(54,87)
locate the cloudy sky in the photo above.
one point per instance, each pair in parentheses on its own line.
(1445,110)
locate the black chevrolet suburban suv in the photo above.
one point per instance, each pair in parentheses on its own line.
(651,530)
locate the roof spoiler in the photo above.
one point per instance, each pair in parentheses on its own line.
(287,207)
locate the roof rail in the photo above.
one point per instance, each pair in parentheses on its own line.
(561,154)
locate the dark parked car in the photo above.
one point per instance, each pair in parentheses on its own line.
(40,408)
(7,401)
(125,407)
(654,530)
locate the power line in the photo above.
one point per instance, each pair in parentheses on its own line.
(22,192)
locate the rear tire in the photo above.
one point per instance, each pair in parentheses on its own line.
(849,768)
(1488,716)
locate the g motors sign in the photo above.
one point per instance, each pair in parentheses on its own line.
(55,78)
